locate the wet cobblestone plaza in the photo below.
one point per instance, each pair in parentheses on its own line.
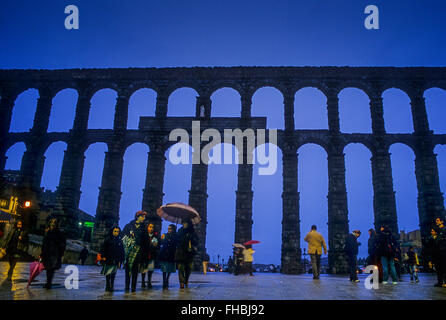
(214,286)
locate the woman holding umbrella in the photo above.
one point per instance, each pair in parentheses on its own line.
(186,249)
(53,249)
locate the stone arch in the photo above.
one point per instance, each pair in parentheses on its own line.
(354,111)
(52,168)
(305,106)
(435,99)
(440,151)
(269,100)
(226,102)
(24,110)
(14,156)
(182,102)
(94,155)
(63,110)
(102,109)
(142,102)
(397,111)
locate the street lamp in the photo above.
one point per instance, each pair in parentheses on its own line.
(27,204)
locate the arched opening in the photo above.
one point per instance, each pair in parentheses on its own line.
(133,181)
(92,177)
(63,111)
(102,110)
(310,109)
(359,183)
(53,165)
(226,103)
(435,108)
(354,111)
(267,204)
(182,103)
(222,184)
(177,177)
(405,186)
(142,103)
(14,156)
(397,112)
(268,102)
(24,111)
(313,189)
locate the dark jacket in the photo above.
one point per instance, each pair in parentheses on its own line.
(16,243)
(351,245)
(84,254)
(431,250)
(411,261)
(53,248)
(112,250)
(168,246)
(141,237)
(386,245)
(187,240)
(371,245)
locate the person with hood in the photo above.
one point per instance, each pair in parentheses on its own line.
(316,243)
(16,245)
(386,251)
(168,247)
(112,255)
(351,249)
(53,249)
(186,249)
(151,255)
(248,259)
(135,240)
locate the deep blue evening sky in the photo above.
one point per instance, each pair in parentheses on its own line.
(166,33)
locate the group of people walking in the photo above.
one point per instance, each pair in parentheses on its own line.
(15,246)
(138,247)
(384,252)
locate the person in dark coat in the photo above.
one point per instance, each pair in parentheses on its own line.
(53,249)
(373,258)
(151,255)
(351,249)
(186,249)
(386,251)
(83,255)
(238,261)
(166,256)
(398,260)
(112,256)
(413,263)
(16,245)
(230,265)
(441,249)
(135,240)
(433,255)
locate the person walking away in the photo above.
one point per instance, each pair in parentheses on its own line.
(83,255)
(248,259)
(152,254)
(205,262)
(413,264)
(168,247)
(386,250)
(53,249)
(16,245)
(112,257)
(186,249)
(135,240)
(373,258)
(316,243)
(441,246)
(351,249)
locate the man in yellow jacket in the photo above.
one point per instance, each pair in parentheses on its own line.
(315,244)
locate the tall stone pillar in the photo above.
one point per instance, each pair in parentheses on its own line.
(68,191)
(33,158)
(153,191)
(430,197)
(162,99)
(7,100)
(288,102)
(291,251)
(107,212)
(337,191)
(243,203)
(246,102)
(198,200)
(384,203)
